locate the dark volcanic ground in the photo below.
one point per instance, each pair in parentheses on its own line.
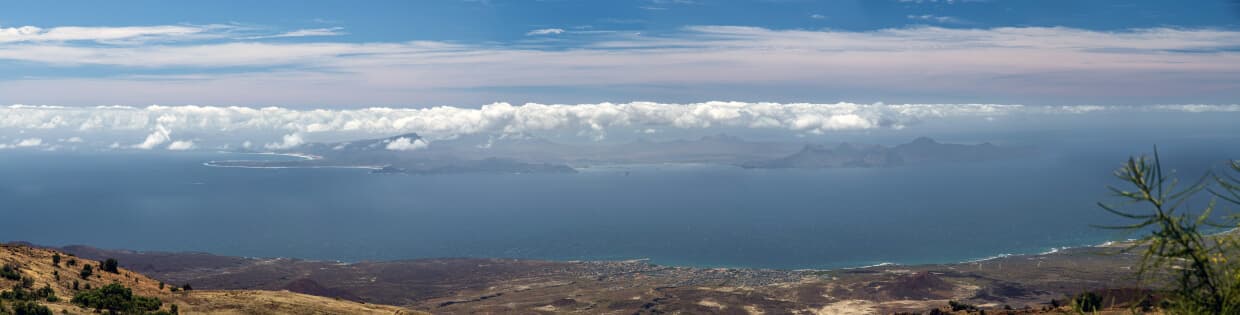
(627,287)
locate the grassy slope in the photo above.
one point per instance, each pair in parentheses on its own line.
(36,263)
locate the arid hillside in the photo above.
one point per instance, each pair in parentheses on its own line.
(42,278)
(1005,285)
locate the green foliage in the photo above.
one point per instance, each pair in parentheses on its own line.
(46,293)
(10,271)
(75,285)
(173,309)
(1087,302)
(1206,281)
(30,308)
(20,293)
(16,293)
(72,262)
(56,259)
(117,298)
(110,265)
(961,306)
(87,270)
(186,287)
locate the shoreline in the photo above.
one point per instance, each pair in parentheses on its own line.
(212,164)
(644,260)
(435,284)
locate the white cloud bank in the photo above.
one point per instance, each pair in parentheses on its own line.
(31,142)
(404,144)
(157,137)
(505,119)
(181,145)
(289,141)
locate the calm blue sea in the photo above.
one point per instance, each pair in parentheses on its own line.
(672,214)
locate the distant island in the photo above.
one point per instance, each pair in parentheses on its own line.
(921,151)
(398,154)
(411,154)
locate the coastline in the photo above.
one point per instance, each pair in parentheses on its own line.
(449,285)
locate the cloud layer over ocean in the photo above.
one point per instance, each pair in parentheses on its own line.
(161,125)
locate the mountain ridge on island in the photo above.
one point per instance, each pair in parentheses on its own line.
(922,150)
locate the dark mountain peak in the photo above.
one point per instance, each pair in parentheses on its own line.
(722,137)
(924,141)
(922,150)
(810,147)
(411,136)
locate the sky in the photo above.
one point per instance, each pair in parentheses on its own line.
(470,53)
(453,67)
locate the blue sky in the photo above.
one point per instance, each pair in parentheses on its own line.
(346,54)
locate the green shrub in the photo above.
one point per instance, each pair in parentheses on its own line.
(46,293)
(117,298)
(15,293)
(110,265)
(1205,277)
(10,271)
(960,306)
(20,293)
(1087,302)
(30,308)
(87,270)
(56,259)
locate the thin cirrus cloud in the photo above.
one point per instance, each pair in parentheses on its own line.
(1006,64)
(119,35)
(934,18)
(162,124)
(545,31)
(330,31)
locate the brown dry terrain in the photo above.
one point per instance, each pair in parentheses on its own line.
(1025,284)
(36,263)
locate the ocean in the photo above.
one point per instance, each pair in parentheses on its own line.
(690,215)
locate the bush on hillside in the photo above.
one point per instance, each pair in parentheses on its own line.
(110,265)
(117,298)
(30,308)
(20,293)
(10,271)
(87,270)
(960,306)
